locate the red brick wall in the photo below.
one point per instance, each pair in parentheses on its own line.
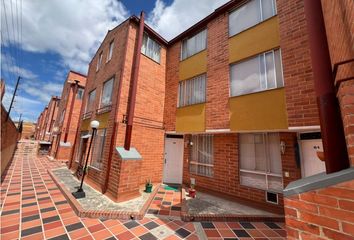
(340,40)
(226,168)
(326,213)
(297,69)
(9,136)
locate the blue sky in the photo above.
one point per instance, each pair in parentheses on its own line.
(43,40)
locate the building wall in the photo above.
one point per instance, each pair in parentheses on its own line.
(226,178)
(326,213)
(340,40)
(9,137)
(28,130)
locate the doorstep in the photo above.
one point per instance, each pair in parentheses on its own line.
(209,207)
(101,207)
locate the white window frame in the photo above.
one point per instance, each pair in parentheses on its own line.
(111,93)
(146,50)
(266,173)
(263,79)
(260,16)
(96,158)
(203,166)
(99,61)
(90,101)
(110,51)
(189,89)
(184,46)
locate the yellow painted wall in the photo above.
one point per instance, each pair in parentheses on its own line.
(259,111)
(193,66)
(260,38)
(85,125)
(103,119)
(191,118)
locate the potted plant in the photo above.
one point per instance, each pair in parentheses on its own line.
(148,186)
(192,191)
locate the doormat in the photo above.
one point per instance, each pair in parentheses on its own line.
(172,188)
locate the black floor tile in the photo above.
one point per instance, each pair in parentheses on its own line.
(29,204)
(74,226)
(47,209)
(272,225)
(61,202)
(111,238)
(10,212)
(183,233)
(30,218)
(158,198)
(148,236)
(31,231)
(50,219)
(247,225)
(174,208)
(241,233)
(29,197)
(131,224)
(151,225)
(61,237)
(207,225)
(153,211)
(166,203)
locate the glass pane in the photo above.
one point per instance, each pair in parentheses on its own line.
(247,152)
(244,17)
(245,77)
(262,70)
(270,70)
(275,183)
(260,152)
(107,93)
(274,153)
(267,9)
(253,180)
(278,68)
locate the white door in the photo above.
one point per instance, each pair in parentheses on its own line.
(310,163)
(173,167)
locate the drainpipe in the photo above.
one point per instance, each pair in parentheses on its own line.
(334,145)
(75,85)
(134,85)
(45,122)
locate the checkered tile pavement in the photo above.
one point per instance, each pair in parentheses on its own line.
(32,207)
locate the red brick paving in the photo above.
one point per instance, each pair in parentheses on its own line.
(34,208)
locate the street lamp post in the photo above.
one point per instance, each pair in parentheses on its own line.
(80,192)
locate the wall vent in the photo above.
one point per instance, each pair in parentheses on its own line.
(272,197)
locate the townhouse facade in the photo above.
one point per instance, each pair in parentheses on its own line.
(66,122)
(108,99)
(45,122)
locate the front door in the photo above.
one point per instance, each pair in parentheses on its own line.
(310,163)
(173,167)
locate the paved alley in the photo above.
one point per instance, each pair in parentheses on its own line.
(34,208)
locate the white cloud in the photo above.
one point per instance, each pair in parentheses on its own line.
(42,91)
(7,64)
(70,28)
(171,20)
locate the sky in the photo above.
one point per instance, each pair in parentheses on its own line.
(42,40)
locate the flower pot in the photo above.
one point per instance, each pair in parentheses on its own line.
(148,188)
(192,193)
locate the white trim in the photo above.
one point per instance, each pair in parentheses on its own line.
(218,130)
(304,128)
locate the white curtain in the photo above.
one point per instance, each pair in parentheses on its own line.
(106,98)
(195,44)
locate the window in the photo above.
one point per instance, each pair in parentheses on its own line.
(62,116)
(99,62)
(260,161)
(80,93)
(110,53)
(192,91)
(97,151)
(80,151)
(193,45)
(151,48)
(91,101)
(106,98)
(250,14)
(257,74)
(202,162)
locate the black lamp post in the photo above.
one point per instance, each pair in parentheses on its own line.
(80,192)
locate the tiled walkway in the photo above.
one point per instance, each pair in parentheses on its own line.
(34,208)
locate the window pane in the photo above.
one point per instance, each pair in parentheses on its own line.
(245,77)
(192,91)
(253,180)
(274,153)
(151,48)
(247,152)
(278,68)
(97,150)
(109,56)
(91,101)
(267,9)
(244,17)
(107,93)
(260,152)
(202,155)
(194,44)
(270,70)
(80,93)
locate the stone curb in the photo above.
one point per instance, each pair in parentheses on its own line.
(102,214)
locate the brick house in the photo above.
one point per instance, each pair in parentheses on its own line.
(231,107)
(66,122)
(46,120)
